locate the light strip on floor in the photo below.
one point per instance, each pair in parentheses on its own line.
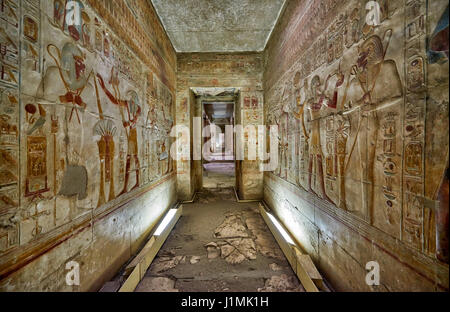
(281,229)
(169,216)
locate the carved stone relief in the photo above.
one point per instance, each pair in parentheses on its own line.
(358,118)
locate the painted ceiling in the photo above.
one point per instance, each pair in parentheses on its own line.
(218,25)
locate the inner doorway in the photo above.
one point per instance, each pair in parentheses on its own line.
(218,161)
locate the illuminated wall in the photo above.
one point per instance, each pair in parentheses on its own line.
(363,117)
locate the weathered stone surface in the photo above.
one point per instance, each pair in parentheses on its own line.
(362,112)
(238,250)
(226,250)
(162,264)
(275,267)
(195,259)
(213,250)
(240,246)
(247,247)
(235,257)
(233,226)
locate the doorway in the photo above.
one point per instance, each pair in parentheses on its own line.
(218,150)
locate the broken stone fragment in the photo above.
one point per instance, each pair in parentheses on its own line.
(237,250)
(226,250)
(234,241)
(255,224)
(235,257)
(213,250)
(195,259)
(163,264)
(247,247)
(213,253)
(275,267)
(233,226)
(167,253)
(282,283)
(178,259)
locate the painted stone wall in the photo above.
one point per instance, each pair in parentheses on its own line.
(85,114)
(243,71)
(363,118)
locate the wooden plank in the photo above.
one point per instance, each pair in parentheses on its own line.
(148,259)
(302,269)
(132,281)
(141,255)
(144,259)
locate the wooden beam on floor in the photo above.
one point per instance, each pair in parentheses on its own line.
(140,264)
(190,201)
(300,262)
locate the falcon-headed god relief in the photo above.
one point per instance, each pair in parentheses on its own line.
(71,65)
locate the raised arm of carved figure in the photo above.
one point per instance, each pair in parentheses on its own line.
(109,94)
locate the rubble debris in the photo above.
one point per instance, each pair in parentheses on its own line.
(162,264)
(233,226)
(247,247)
(235,257)
(226,250)
(275,267)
